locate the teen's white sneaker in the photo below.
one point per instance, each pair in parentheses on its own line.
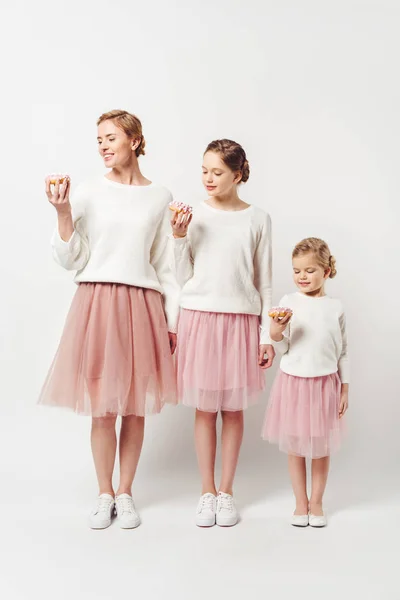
(206,509)
(300,520)
(316,521)
(128,517)
(227,515)
(100,517)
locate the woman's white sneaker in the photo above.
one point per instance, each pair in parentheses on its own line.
(126,512)
(100,517)
(227,515)
(206,509)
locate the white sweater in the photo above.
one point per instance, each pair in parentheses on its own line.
(315,341)
(225,263)
(121,235)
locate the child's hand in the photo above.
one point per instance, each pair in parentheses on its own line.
(182,215)
(344,402)
(278,326)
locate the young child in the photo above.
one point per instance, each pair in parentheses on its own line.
(310,393)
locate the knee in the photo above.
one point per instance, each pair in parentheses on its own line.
(132,420)
(232,416)
(104,422)
(209,417)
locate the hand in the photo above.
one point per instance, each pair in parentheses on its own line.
(266,349)
(180,223)
(172,341)
(58,195)
(344,403)
(278,326)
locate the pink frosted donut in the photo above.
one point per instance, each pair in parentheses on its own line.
(179,207)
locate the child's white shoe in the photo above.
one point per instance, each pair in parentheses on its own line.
(318,521)
(300,520)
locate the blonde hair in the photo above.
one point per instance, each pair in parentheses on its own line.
(321,251)
(129,124)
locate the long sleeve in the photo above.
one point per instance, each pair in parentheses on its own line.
(180,258)
(283,346)
(263,278)
(159,258)
(343,364)
(73,255)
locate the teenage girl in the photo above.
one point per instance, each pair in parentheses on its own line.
(224,265)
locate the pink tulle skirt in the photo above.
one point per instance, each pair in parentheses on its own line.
(217,361)
(303,415)
(114,356)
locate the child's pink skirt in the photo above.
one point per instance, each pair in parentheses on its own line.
(217,360)
(114,356)
(303,415)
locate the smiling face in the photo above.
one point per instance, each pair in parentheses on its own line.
(218,179)
(115,147)
(308,274)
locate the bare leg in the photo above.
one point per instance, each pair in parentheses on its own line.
(130,447)
(205,434)
(232,435)
(320,470)
(104,446)
(298,477)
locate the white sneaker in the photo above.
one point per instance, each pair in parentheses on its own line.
(100,517)
(227,515)
(127,516)
(300,520)
(316,521)
(206,509)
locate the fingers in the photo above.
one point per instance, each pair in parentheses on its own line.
(57,188)
(172,341)
(48,187)
(285,319)
(180,222)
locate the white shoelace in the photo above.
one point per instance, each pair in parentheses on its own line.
(207,502)
(103,505)
(125,505)
(225,502)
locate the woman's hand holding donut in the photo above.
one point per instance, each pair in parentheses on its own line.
(57,191)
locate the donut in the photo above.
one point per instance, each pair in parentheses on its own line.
(53,180)
(280,312)
(180,207)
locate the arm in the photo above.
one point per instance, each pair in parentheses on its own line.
(180,258)
(344,369)
(343,363)
(69,242)
(159,258)
(277,330)
(263,278)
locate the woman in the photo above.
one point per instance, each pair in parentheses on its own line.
(115,354)
(224,266)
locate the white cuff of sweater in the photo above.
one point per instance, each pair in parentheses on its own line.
(180,241)
(264,336)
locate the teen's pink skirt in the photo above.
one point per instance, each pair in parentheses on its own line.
(303,415)
(217,361)
(114,356)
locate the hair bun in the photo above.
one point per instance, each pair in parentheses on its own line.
(245,171)
(332,266)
